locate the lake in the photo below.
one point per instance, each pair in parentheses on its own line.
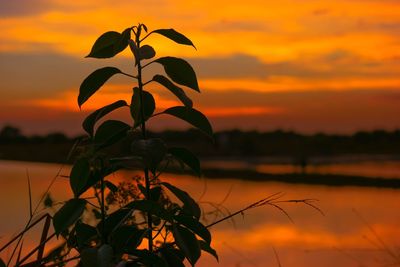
(360,226)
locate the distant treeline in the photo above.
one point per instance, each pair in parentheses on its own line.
(233,143)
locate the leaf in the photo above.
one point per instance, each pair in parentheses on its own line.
(89,257)
(127,236)
(179,71)
(191,116)
(84,234)
(148,258)
(90,121)
(150,207)
(149,105)
(186,157)
(146,52)
(94,81)
(155,193)
(171,257)
(187,242)
(110,43)
(104,256)
(189,205)
(110,132)
(152,151)
(79,176)
(207,248)
(113,221)
(68,214)
(195,226)
(175,36)
(177,91)
(113,188)
(94,177)
(2,264)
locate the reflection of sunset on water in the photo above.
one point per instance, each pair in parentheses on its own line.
(340,238)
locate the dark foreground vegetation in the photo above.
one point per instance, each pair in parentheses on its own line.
(294,147)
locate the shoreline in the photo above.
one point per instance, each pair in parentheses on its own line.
(334,180)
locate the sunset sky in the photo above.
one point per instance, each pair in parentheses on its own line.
(303,65)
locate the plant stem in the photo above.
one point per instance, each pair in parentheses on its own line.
(144,136)
(103,211)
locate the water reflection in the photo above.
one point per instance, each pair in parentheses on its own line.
(340,238)
(367,168)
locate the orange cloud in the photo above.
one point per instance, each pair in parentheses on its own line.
(67,101)
(240,111)
(287,83)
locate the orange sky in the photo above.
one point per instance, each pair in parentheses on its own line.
(309,66)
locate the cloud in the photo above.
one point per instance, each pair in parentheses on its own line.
(12,8)
(229,25)
(333,64)
(308,112)
(37,75)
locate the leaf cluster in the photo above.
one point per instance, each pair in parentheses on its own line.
(153,212)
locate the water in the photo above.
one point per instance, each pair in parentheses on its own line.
(356,223)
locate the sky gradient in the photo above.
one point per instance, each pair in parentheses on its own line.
(303,65)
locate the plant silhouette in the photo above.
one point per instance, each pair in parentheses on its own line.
(146,221)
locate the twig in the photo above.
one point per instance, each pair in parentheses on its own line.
(272,200)
(277,257)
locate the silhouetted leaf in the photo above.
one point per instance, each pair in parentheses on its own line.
(126,236)
(90,121)
(94,81)
(179,71)
(177,91)
(189,205)
(150,207)
(187,242)
(175,36)
(89,257)
(110,43)
(207,248)
(152,151)
(68,214)
(170,255)
(94,177)
(113,188)
(195,226)
(104,256)
(192,116)
(155,193)
(147,258)
(187,157)
(2,264)
(148,103)
(79,176)
(146,52)
(110,131)
(113,221)
(84,234)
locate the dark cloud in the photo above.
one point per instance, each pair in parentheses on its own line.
(336,64)
(34,75)
(11,8)
(46,74)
